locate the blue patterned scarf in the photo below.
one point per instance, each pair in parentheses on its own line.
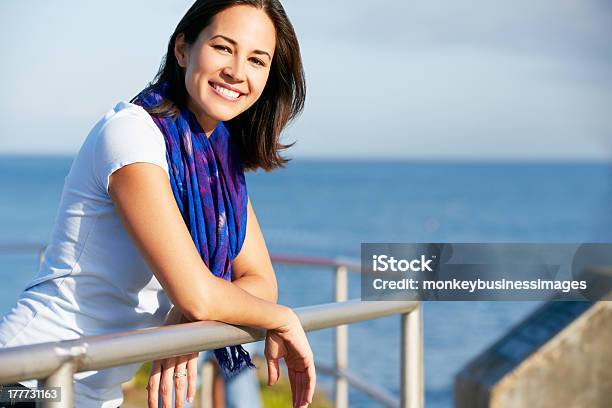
(208,183)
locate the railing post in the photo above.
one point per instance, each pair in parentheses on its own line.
(341,340)
(62,378)
(206,387)
(412,393)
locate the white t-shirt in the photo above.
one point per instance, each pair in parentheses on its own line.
(93,279)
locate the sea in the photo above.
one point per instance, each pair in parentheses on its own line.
(327,208)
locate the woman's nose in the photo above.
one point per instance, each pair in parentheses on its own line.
(235,70)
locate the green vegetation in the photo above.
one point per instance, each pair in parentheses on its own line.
(279,395)
(141,378)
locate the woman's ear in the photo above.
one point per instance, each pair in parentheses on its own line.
(181,50)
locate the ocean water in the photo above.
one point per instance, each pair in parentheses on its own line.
(327,208)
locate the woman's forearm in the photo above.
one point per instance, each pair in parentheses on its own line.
(253,284)
(258,286)
(227,302)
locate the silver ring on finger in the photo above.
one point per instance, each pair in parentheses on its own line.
(180,374)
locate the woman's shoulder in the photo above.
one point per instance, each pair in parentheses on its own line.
(126,122)
(126,134)
(127,113)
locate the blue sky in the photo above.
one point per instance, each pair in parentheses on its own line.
(467,80)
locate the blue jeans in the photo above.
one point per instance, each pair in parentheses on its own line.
(242,390)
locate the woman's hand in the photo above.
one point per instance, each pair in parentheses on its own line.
(290,342)
(162,378)
(162,374)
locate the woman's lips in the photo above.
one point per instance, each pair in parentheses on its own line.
(225,93)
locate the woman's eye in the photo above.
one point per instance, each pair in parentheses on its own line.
(258,62)
(222,48)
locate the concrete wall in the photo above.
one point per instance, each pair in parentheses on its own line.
(559,356)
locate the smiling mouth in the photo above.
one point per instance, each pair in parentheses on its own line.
(225,93)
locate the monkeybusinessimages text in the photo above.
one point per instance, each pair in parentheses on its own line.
(385,263)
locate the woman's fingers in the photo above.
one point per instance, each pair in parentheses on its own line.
(166,382)
(273,352)
(302,386)
(153,385)
(192,372)
(298,390)
(291,375)
(273,371)
(180,381)
(162,380)
(305,389)
(291,344)
(312,382)
(304,392)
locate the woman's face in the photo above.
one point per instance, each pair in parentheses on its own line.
(226,69)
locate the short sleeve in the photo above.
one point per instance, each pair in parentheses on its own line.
(127,136)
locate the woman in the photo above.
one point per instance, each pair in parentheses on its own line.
(155,211)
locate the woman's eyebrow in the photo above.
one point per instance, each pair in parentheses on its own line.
(233,42)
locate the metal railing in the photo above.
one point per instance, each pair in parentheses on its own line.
(55,363)
(411,332)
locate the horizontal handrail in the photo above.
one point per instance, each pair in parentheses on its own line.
(83,355)
(109,350)
(376,393)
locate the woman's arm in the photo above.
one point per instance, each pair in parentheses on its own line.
(252,268)
(143,198)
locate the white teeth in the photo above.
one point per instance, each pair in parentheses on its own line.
(227,92)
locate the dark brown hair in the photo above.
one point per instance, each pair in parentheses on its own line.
(256,130)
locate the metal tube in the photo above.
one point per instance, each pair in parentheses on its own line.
(104,351)
(135,346)
(63,378)
(342,397)
(206,388)
(411,360)
(377,393)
